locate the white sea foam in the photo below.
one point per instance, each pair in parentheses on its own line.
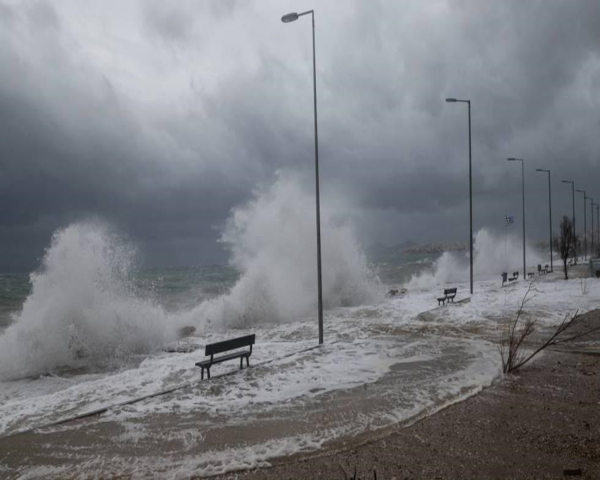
(491,256)
(272,242)
(82,306)
(379,347)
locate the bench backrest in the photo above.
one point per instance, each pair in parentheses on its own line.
(449,291)
(232,344)
(515,274)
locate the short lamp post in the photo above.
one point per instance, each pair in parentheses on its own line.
(512,159)
(292,17)
(468,102)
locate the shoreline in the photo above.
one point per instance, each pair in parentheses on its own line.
(478,434)
(542,422)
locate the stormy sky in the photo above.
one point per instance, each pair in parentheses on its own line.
(160,117)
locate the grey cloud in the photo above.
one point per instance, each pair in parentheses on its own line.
(169,21)
(74,143)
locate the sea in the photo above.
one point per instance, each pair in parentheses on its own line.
(94,330)
(180,288)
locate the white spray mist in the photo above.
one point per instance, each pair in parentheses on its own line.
(82,305)
(491,258)
(272,240)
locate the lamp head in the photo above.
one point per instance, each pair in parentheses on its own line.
(541,170)
(451,100)
(513,159)
(290,17)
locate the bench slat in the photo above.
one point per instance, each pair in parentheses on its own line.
(227,345)
(223,358)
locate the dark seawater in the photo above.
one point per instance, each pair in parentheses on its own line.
(397,269)
(183,288)
(14,289)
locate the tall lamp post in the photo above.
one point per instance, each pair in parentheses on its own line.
(512,159)
(468,102)
(573,193)
(584,223)
(597,222)
(592,212)
(550,209)
(292,17)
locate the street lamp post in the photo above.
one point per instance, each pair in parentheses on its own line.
(550,210)
(291,17)
(592,212)
(584,223)
(597,222)
(573,194)
(512,159)
(468,102)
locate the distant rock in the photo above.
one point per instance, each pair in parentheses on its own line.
(380,251)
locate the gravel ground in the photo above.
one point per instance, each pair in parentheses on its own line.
(543,422)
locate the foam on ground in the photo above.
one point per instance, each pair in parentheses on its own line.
(400,361)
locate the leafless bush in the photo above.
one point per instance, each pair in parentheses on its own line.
(584,286)
(519,330)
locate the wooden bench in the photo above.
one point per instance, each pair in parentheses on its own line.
(449,294)
(530,274)
(225,346)
(514,277)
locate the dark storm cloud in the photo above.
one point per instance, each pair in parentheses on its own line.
(161,118)
(72,148)
(168,22)
(521,63)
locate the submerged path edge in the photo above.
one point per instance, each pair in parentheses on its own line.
(166,391)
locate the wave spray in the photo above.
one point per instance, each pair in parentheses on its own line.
(83,304)
(272,240)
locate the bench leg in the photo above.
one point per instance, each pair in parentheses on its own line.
(241,363)
(202,374)
(208,372)
(248,361)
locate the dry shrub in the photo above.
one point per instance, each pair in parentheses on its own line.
(523,326)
